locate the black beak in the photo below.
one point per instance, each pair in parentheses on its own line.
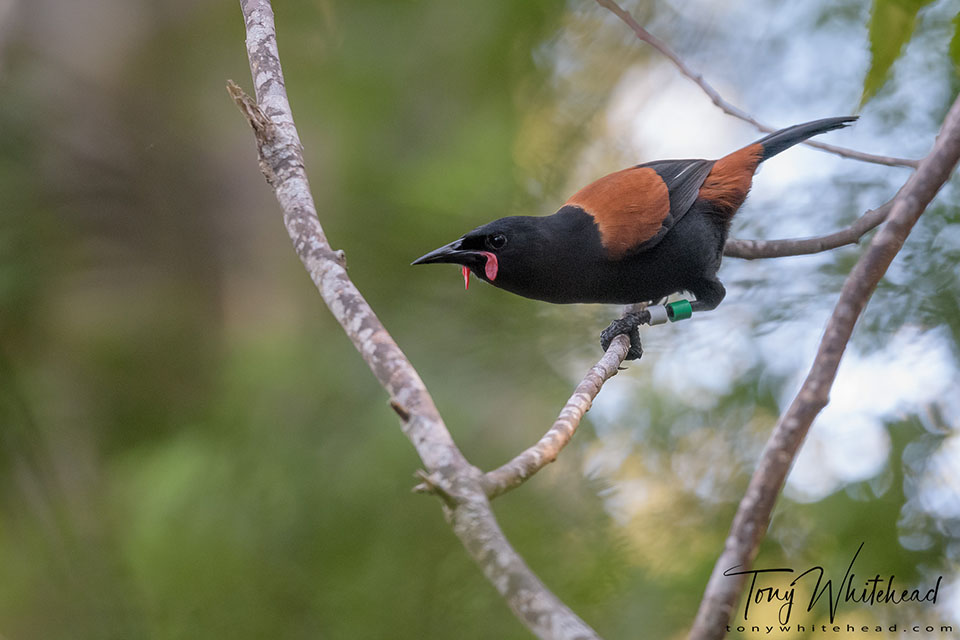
(448,253)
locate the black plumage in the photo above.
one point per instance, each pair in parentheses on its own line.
(637,235)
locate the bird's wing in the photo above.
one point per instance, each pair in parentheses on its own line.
(636,207)
(683,179)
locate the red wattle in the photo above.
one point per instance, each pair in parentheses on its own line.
(466,278)
(492,266)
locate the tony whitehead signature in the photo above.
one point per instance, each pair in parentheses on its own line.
(875,591)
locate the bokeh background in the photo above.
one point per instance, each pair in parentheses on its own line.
(189,446)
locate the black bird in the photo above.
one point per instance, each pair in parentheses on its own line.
(637,235)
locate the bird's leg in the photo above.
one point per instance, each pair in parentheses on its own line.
(628,324)
(709,294)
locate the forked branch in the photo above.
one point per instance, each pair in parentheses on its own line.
(460,483)
(464,488)
(753,515)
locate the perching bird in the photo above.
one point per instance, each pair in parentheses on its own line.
(637,235)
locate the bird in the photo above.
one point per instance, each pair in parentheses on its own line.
(638,235)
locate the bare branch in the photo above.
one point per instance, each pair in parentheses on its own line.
(755,249)
(753,514)
(522,467)
(449,473)
(731,109)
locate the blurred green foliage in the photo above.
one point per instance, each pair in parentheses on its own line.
(955,43)
(192,449)
(891,25)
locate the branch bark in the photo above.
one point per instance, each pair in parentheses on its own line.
(546,450)
(450,475)
(462,486)
(753,515)
(731,109)
(756,249)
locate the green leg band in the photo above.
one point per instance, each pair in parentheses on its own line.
(679,310)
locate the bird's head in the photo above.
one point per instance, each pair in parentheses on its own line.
(499,252)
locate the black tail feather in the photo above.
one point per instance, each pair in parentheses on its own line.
(785,138)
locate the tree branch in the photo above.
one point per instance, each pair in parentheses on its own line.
(451,475)
(545,451)
(753,514)
(755,249)
(731,109)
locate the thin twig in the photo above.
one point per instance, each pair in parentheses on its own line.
(756,249)
(753,515)
(522,467)
(466,504)
(731,109)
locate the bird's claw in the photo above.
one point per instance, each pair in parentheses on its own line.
(629,324)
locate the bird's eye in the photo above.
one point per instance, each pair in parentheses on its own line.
(497,240)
